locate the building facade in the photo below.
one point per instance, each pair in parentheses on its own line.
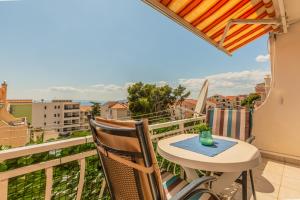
(84,112)
(186,109)
(115,110)
(60,115)
(229,102)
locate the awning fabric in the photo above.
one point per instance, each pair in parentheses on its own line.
(208,19)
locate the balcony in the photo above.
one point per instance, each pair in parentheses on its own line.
(70,116)
(69,169)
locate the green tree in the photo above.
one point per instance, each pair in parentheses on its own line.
(181,94)
(96,109)
(149,98)
(250,100)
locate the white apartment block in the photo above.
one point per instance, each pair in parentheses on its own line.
(62,116)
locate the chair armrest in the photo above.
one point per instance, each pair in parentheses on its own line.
(250,139)
(191,187)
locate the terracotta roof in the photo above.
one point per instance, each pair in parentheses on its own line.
(208,19)
(119,106)
(85,108)
(19,101)
(110,103)
(231,97)
(190,101)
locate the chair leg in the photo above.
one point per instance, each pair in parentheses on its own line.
(244,185)
(252,184)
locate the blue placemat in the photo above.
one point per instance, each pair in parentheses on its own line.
(193,144)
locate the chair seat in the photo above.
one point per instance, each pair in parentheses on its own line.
(173,184)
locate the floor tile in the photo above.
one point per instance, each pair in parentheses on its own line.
(289,194)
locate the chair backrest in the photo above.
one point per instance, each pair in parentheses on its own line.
(231,123)
(128,159)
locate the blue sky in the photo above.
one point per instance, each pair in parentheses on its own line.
(93,49)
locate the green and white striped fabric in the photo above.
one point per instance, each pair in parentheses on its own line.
(231,123)
(173,184)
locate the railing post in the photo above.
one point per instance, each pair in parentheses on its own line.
(49,183)
(81,178)
(3,189)
(181,127)
(102,188)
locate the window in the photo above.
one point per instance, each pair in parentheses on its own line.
(54,115)
(45,115)
(58,107)
(45,107)
(45,123)
(58,115)
(57,130)
(58,122)
(54,107)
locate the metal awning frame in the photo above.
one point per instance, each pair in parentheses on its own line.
(246,21)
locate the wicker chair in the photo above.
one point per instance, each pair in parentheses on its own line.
(130,166)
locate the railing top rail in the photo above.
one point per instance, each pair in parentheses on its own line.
(172,123)
(45,147)
(40,148)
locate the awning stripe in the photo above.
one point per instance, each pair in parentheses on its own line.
(189,7)
(209,18)
(209,12)
(251,39)
(220,19)
(268,4)
(199,10)
(244,36)
(165,2)
(177,5)
(243,16)
(224,22)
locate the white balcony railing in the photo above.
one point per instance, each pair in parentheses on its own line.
(83,183)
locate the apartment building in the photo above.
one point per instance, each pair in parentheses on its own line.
(84,112)
(60,115)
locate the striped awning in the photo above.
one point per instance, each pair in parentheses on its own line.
(209,18)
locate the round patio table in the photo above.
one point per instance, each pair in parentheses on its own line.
(233,161)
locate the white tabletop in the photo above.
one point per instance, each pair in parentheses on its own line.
(240,157)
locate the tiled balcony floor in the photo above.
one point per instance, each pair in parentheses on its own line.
(275,180)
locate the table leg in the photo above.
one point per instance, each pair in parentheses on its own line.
(225,181)
(191,174)
(244,184)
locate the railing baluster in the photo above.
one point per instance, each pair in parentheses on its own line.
(81,178)
(49,183)
(3,189)
(102,188)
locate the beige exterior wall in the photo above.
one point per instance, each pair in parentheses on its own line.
(63,117)
(105,112)
(14,136)
(121,113)
(276,121)
(84,122)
